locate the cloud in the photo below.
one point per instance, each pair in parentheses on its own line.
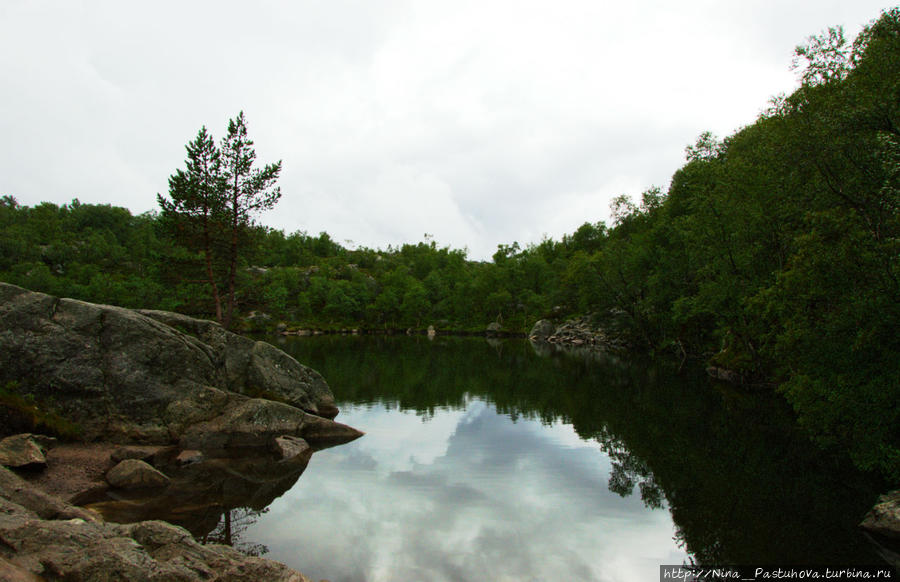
(479,122)
(466,494)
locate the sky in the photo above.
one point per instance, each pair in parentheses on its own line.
(477,123)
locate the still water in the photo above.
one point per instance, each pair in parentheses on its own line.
(501,461)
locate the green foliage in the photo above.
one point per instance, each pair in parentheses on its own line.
(211,203)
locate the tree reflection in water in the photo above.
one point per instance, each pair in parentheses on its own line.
(742,483)
(233,525)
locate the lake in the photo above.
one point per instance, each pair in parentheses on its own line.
(500,460)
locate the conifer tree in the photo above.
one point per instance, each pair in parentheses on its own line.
(246,190)
(196,201)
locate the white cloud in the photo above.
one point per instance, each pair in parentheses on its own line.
(484,122)
(465,494)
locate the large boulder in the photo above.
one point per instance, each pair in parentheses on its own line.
(256,368)
(146,376)
(542,330)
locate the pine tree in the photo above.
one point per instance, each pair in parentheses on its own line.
(196,201)
(246,190)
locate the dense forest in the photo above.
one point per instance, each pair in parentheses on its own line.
(773,253)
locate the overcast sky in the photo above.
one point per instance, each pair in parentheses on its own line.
(477,122)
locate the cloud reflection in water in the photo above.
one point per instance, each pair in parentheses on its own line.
(462,495)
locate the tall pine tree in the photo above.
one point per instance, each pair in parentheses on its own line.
(213,200)
(196,201)
(247,190)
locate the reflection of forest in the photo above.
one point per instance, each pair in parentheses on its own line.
(742,484)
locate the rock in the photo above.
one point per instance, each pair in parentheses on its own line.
(15,490)
(583,331)
(189,457)
(25,451)
(135,474)
(542,330)
(141,376)
(256,423)
(289,447)
(37,546)
(884,518)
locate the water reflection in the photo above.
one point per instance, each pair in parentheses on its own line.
(464,494)
(215,499)
(505,460)
(740,483)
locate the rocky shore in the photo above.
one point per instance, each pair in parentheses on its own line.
(44,538)
(579,332)
(158,416)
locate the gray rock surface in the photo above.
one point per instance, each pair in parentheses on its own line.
(149,376)
(884,517)
(257,422)
(74,544)
(135,474)
(542,329)
(582,331)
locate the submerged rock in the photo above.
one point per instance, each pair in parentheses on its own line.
(199,493)
(150,376)
(189,457)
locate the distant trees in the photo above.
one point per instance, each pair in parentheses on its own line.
(213,200)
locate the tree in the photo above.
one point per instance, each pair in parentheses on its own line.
(826,57)
(246,190)
(212,201)
(196,200)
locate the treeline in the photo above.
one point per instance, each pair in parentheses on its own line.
(773,254)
